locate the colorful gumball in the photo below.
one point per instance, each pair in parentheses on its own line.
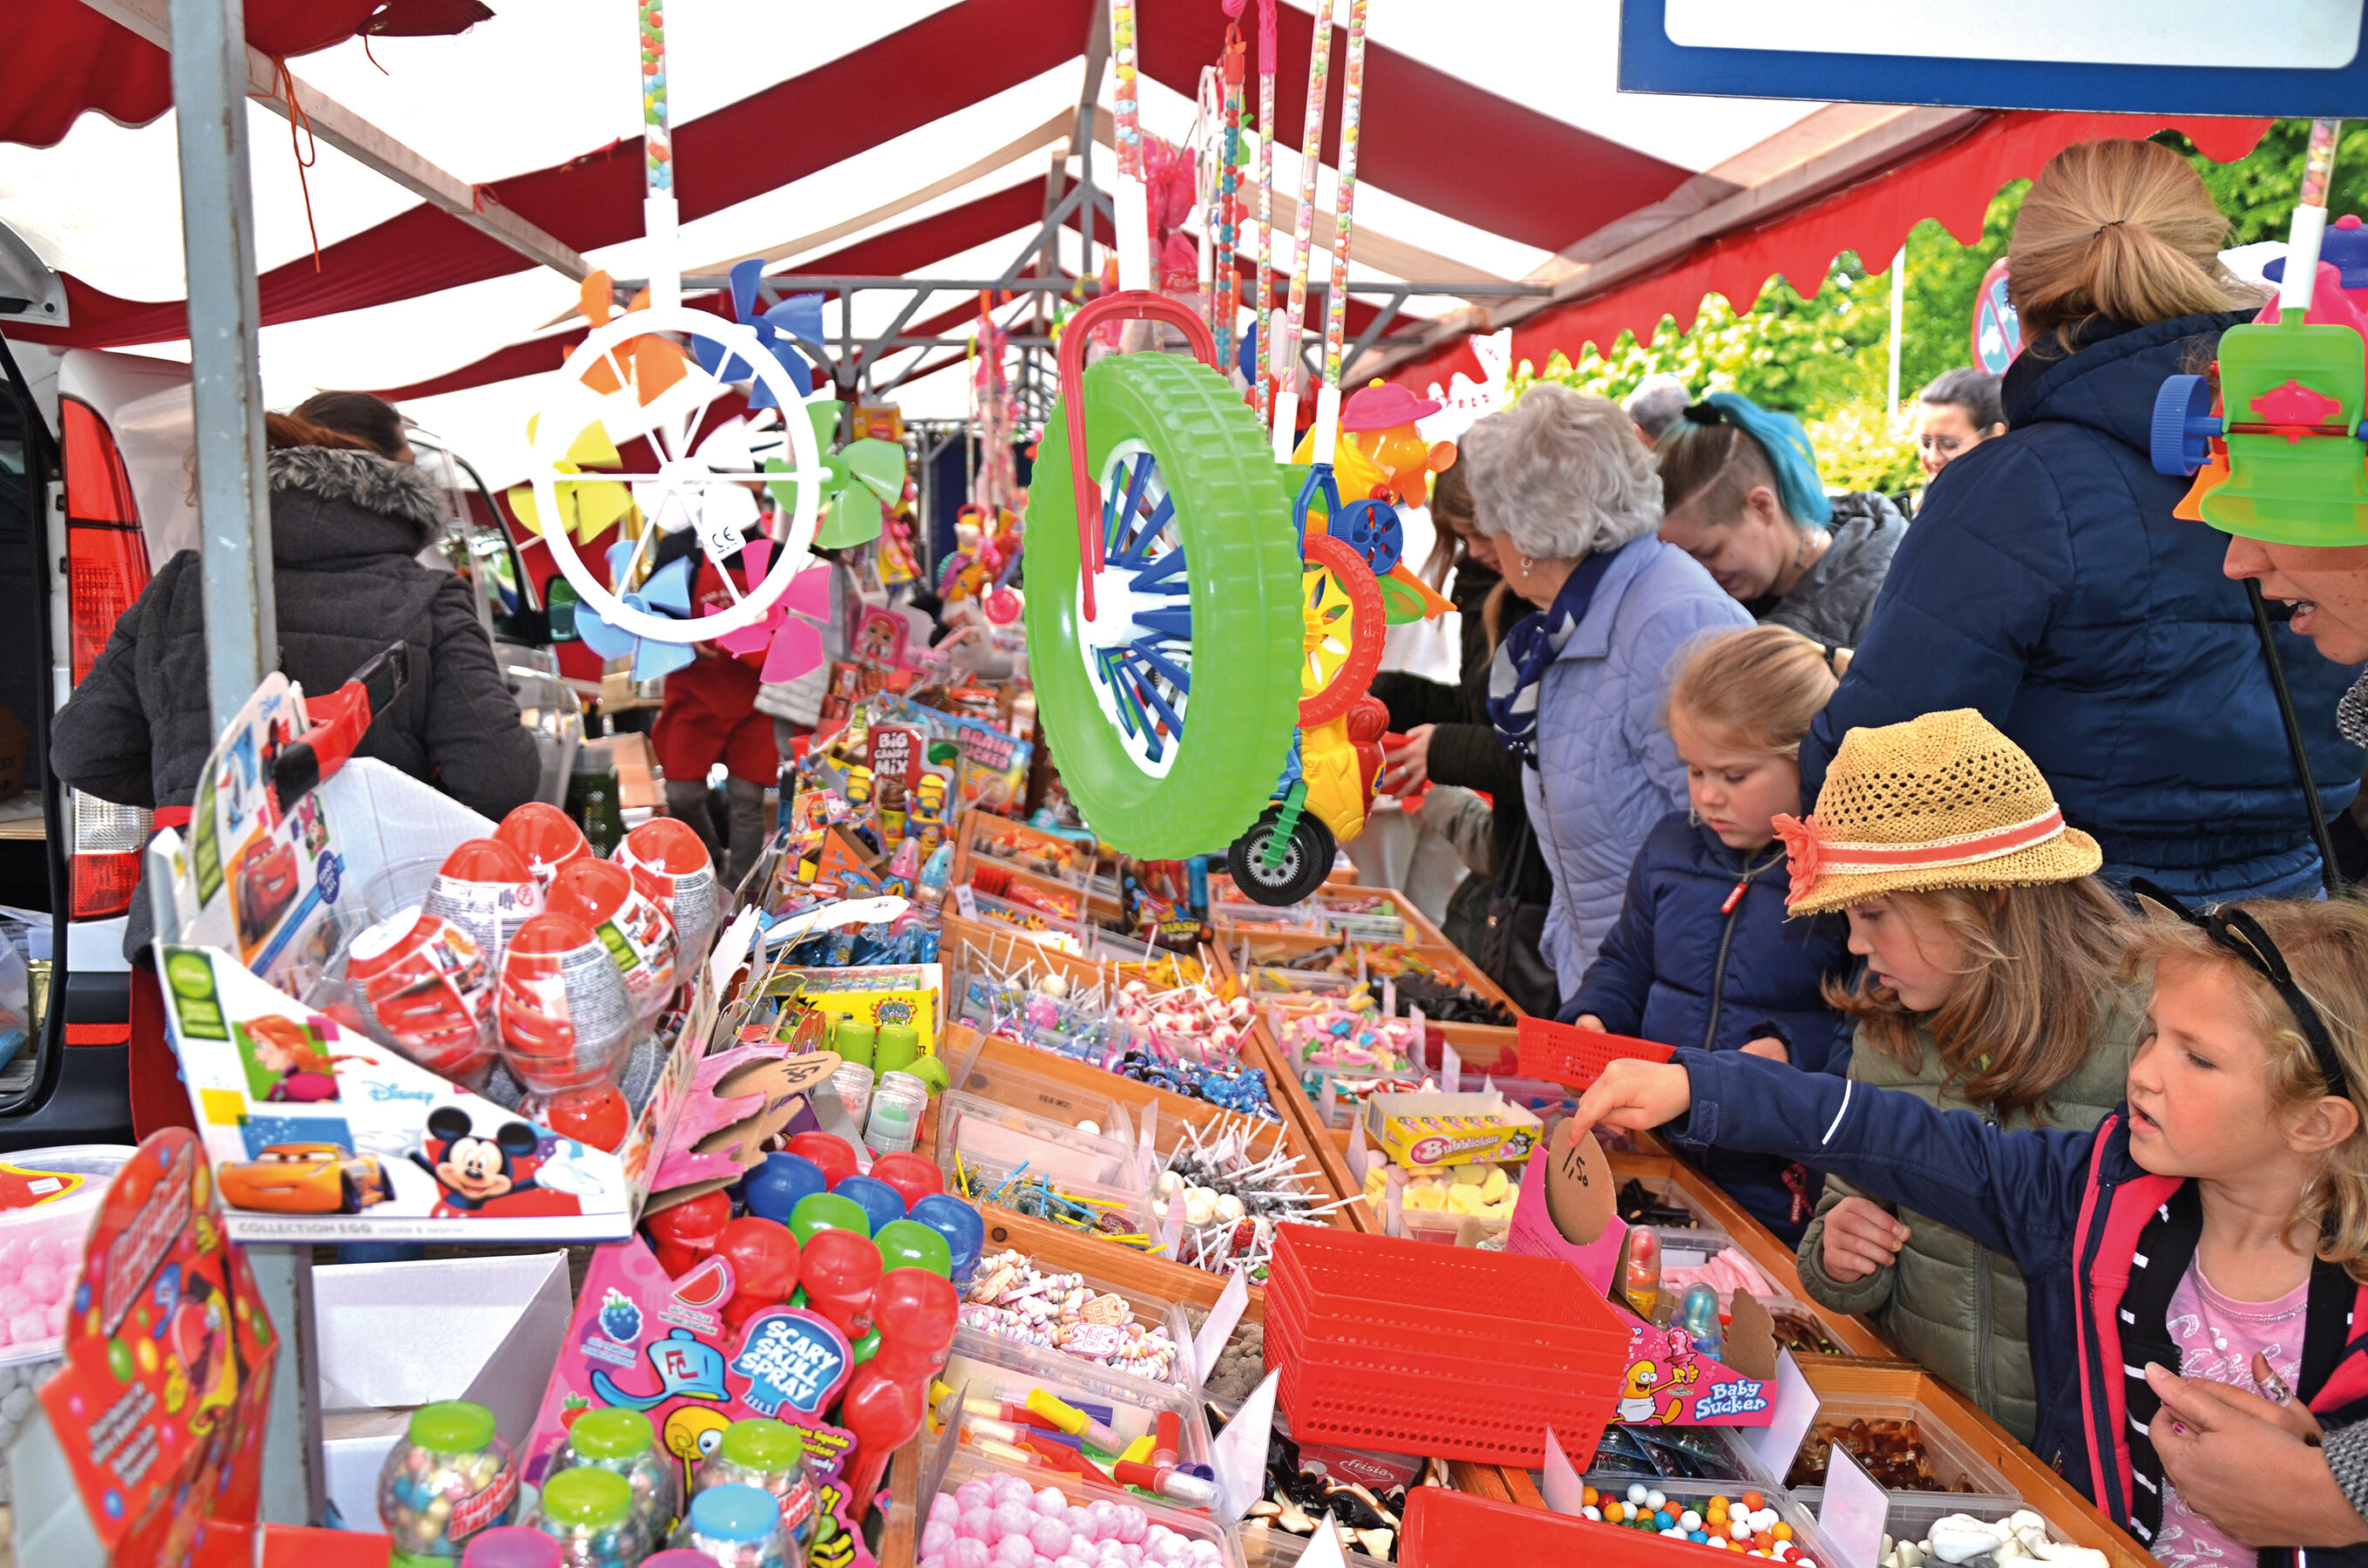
(684,1234)
(638,937)
(837,1272)
(960,1223)
(765,1260)
(774,1188)
(915,1177)
(673,869)
(879,1203)
(827,1150)
(909,1244)
(545,837)
(828,1211)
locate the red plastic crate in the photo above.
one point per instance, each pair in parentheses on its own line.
(1564,1053)
(1394,1345)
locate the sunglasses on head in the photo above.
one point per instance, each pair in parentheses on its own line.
(2236,931)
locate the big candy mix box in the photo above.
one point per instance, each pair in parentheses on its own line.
(320,1134)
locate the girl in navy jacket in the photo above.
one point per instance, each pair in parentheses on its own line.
(2223,1210)
(1703,954)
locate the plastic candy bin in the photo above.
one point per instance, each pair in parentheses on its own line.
(46,1217)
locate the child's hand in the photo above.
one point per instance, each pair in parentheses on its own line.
(1770,1047)
(1588,1021)
(1860,1239)
(1635,1095)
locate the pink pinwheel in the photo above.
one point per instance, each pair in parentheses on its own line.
(792,628)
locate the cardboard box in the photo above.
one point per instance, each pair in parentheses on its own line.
(1452,1129)
(394,1336)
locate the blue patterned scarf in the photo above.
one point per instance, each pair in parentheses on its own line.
(1533,643)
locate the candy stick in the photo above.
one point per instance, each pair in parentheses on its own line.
(1224,305)
(1311,156)
(658,212)
(1336,315)
(2309,218)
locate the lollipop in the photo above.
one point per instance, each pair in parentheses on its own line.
(841,1268)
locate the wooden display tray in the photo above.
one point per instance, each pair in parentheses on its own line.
(1482,1047)
(999,941)
(978,823)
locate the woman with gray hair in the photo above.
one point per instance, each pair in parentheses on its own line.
(1561,484)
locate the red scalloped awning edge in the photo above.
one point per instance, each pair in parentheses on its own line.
(1953,184)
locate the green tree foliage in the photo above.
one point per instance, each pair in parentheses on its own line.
(1825,357)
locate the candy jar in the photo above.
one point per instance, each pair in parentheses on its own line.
(1699,1317)
(770,1457)
(513,1546)
(624,1443)
(735,1526)
(449,1478)
(1640,1278)
(590,1514)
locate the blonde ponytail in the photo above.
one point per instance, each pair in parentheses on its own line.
(2122,230)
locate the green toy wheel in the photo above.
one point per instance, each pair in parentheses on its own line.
(1170,711)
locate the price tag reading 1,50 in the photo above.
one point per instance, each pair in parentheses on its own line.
(1579,1190)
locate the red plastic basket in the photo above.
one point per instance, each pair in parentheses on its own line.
(1396,1345)
(1564,1053)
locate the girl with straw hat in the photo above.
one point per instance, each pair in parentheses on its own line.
(1989,986)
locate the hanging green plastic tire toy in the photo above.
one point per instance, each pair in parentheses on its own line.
(1169,702)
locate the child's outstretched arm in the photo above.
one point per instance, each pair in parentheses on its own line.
(2017,1193)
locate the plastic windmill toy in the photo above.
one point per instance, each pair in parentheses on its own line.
(658,369)
(2273,435)
(1203,620)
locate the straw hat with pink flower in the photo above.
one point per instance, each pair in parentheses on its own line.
(1941,802)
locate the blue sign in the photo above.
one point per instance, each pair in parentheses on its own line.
(795,1357)
(2297,58)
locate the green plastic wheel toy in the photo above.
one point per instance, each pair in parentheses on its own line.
(1167,680)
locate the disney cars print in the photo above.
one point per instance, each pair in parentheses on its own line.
(306,1179)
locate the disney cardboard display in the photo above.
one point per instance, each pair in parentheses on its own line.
(319,1133)
(659,1345)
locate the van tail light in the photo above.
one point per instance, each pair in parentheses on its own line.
(109,840)
(107,558)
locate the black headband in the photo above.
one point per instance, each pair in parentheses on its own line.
(1705,413)
(2238,932)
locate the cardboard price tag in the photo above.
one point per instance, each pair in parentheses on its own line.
(1581,1195)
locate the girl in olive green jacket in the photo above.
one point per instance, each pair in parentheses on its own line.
(1991,984)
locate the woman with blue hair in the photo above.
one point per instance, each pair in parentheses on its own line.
(1740,494)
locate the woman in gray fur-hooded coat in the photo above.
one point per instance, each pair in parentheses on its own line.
(347,525)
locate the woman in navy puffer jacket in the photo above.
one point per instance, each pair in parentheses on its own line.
(1703,954)
(2047,583)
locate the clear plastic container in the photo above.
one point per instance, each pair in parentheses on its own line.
(625,1443)
(52,1196)
(939,1513)
(1912,1516)
(1150,1311)
(1680,1495)
(735,1526)
(589,1513)
(449,1478)
(1041,1095)
(992,1369)
(772,1457)
(986,1133)
(1961,1474)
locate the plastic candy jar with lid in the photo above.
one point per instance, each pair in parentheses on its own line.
(770,1456)
(734,1525)
(624,1442)
(590,1514)
(512,1546)
(450,1478)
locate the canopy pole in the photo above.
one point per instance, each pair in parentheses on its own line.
(225,389)
(1898,318)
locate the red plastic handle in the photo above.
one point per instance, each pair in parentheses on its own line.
(1134,304)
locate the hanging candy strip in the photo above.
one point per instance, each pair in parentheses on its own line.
(1131,200)
(2309,217)
(1229,200)
(1336,315)
(1310,155)
(657,160)
(1266,195)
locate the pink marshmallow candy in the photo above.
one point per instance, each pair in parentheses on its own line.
(1011,1518)
(1009,1489)
(57,1317)
(1203,1551)
(968,1552)
(935,1537)
(1050,1536)
(1169,1550)
(1132,1524)
(41,1282)
(973,1494)
(977,1524)
(1081,1522)
(1071,1563)
(1013,1552)
(27,1326)
(1050,1503)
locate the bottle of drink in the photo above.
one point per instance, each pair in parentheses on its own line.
(592,800)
